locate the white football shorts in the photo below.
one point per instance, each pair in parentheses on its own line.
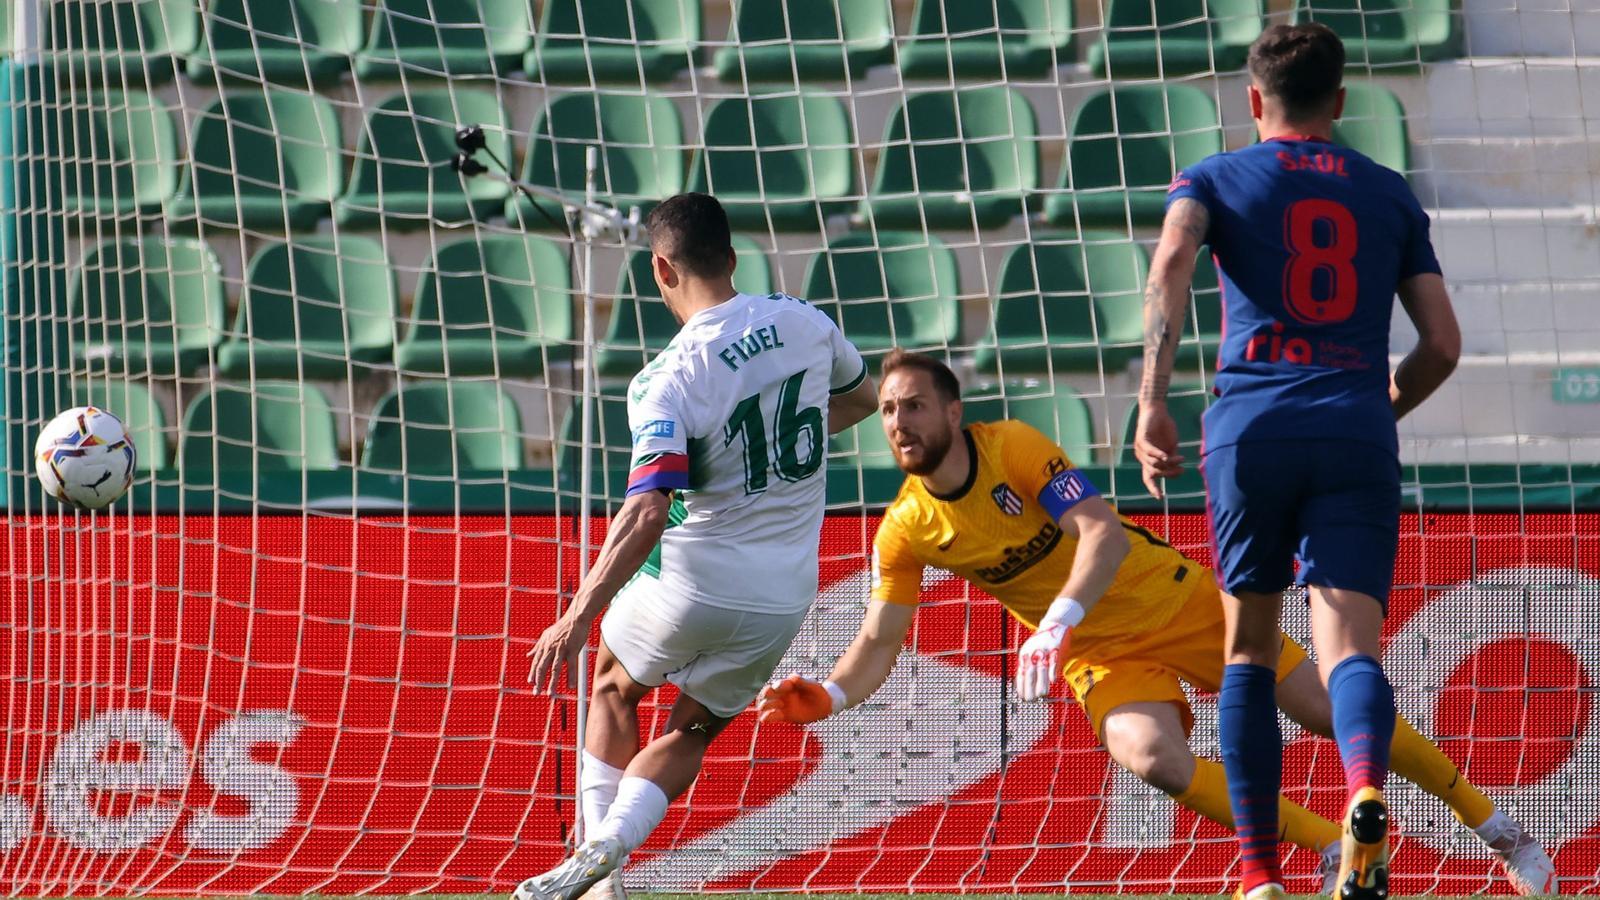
(719,657)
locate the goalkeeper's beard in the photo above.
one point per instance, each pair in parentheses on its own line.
(933,451)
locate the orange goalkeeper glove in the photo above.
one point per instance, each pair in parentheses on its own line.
(799,700)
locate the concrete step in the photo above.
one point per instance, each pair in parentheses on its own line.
(1499,410)
(1532,27)
(1490,171)
(1503,97)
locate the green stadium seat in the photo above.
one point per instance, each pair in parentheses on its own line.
(1374,123)
(1205,329)
(265,425)
(402,172)
(892,289)
(262,160)
(495,305)
(631,41)
(1068,304)
(1187,403)
(294,42)
(319,307)
(1389,33)
(430,38)
(992,39)
(862,445)
(1055,409)
(640,324)
(1145,39)
(118,40)
(780,161)
(611,443)
(1120,161)
(829,41)
(139,411)
(146,307)
(122,149)
(955,160)
(641,153)
(436,427)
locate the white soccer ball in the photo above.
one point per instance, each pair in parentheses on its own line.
(85,458)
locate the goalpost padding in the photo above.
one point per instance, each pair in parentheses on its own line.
(294,658)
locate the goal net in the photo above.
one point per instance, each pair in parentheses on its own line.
(380,424)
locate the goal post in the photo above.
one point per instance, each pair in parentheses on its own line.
(378,406)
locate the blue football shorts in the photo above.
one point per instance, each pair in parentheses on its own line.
(1331,506)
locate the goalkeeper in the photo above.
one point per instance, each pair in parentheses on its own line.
(1123,615)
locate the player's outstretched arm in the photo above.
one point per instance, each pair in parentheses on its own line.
(633,533)
(852,406)
(1438,342)
(859,672)
(1102,546)
(1166,302)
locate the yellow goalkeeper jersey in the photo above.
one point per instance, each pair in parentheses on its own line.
(996,533)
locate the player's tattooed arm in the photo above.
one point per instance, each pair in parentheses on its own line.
(1166,296)
(1166,301)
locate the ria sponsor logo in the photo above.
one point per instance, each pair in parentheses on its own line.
(1021,558)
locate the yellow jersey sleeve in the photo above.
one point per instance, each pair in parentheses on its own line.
(896,570)
(1040,469)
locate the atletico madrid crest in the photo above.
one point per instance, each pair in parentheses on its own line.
(1007,499)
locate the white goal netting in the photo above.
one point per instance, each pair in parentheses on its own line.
(379,419)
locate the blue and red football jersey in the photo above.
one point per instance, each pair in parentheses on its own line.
(1311,240)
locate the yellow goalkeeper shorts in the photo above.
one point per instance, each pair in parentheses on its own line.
(1106,673)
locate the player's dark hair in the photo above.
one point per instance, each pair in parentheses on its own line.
(1301,66)
(691,230)
(944,380)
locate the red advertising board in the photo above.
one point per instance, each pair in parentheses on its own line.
(286,704)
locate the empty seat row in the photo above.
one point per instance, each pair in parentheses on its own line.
(323,307)
(285,425)
(590,41)
(314,307)
(950,159)
(432,427)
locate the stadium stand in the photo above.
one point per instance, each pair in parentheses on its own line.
(1016,39)
(291,42)
(1174,37)
(434,39)
(267,159)
(434,427)
(779,160)
(1388,34)
(146,307)
(121,41)
(628,41)
(955,159)
(401,175)
(140,412)
(1123,145)
(823,40)
(893,288)
(124,151)
(314,307)
(1065,303)
(496,305)
(267,425)
(640,140)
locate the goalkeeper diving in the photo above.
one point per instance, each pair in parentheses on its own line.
(1117,613)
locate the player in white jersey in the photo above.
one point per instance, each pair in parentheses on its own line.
(712,559)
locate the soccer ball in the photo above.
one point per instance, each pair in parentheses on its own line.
(85,458)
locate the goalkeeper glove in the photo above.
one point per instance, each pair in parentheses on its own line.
(800,700)
(1039,658)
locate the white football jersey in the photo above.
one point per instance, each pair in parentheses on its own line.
(738,402)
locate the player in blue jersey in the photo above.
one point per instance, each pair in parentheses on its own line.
(1312,242)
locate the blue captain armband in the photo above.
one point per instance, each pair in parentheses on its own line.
(1064,491)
